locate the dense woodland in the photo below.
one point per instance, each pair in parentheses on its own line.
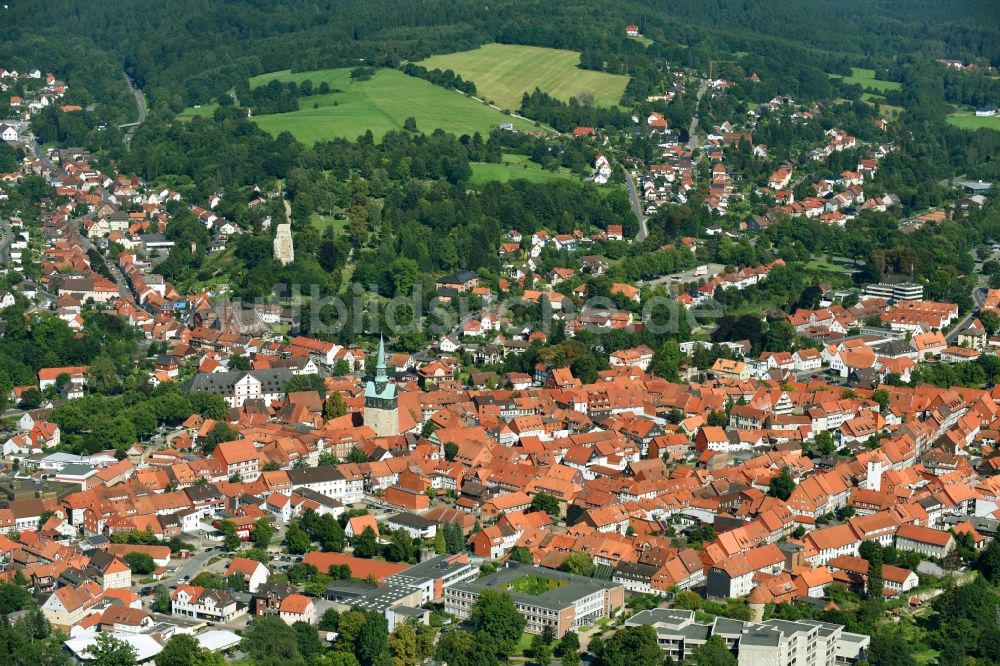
(186,52)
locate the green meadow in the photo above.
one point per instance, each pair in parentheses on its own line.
(504,72)
(380,104)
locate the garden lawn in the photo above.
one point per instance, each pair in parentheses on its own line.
(324,222)
(971,121)
(504,72)
(379,104)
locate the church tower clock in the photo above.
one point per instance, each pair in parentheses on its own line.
(381,404)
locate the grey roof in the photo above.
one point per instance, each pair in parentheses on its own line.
(635,570)
(432,569)
(203,493)
(724,625)
(559,598)
(383,598)
(665,616)
(153,238)
(762,637)
(410,611)
(222,383)
(697,632)
(457,278)
(894,348)
(346,590)
(77,470)
(319,498)
(411,520)
(307,475)
(788,626)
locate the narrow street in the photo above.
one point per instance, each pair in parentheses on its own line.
(633,193)
(633,196)
(693,129)
(140,104)
(978,298)
(36,148)
(6,237)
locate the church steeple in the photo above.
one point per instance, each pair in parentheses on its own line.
(381,377)
(381,405)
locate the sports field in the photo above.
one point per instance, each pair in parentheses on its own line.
(866,79)
(380,104)
(970,121)
(504,72)
(514,167)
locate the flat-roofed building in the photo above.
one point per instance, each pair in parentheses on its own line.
(903,291)
(771,643)
(435,575)
(545,598)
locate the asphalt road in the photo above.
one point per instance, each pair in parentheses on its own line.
(7,234)
(633,196)
(633,193)
(978,298)
(36,148)
(189,567)
(693,129)
(140,104)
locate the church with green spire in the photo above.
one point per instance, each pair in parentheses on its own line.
(381,404)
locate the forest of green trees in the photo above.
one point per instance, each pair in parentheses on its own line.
(188,52)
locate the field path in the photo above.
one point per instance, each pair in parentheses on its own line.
(511,113)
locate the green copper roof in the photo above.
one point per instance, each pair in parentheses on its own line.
(380,388)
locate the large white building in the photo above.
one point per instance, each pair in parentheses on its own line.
(771,643)
(204,604)
(238,387)
(328,481)
(569,603)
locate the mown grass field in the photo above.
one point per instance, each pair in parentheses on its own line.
(885,106)
(866,79)
(514,167)
(205,110)
(324,222)
(970,121)
(504,72)
(379,104)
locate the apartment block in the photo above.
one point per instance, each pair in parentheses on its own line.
(771,643)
